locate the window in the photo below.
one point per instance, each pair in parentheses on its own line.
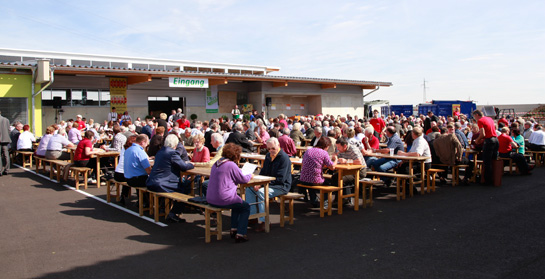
(14,109)
(77,97)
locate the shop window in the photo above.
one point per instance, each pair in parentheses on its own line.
(14,109)
(77,97)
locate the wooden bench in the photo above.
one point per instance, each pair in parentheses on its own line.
(55,168)
(110,184)
(77,171)
(431,179)
(400,185)
(323,190)
(510,164)
(367,190)
(290,197)
(208,211)
(39,163)
(455,172)
(24,155)
(538,156)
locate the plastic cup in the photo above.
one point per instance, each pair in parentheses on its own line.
(391,152)
(298,143)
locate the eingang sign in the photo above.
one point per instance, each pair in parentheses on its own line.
(188,82)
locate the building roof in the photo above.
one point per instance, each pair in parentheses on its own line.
(139,70)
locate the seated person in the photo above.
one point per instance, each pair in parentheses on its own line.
(186,138)
(506,145)
(82,155)
(74,134)
(136,166)
(26,139)
(286,143)
(450,152)
(156,142)
(201,153)
(314,160)
(536,141)
(386,164)
(56,144)
(222,190)
(346,152)
(165,174)
(419,147)
(277,164)
(237,137)
(42,147)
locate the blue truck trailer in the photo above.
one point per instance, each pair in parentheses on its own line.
(446,108)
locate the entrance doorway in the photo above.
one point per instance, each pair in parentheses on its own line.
(158,105)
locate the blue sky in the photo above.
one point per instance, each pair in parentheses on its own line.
(492,52)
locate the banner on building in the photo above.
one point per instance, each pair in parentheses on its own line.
(302,106)
(288,106)
(188,82)
(118,94)
(212,104)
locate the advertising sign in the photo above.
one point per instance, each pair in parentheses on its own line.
(187,82)
(118,94)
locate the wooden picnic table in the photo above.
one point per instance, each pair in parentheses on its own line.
(343,169)
(302,149)
(103,153)
(256,180)
(411,160)
(257,145)
(473,152)
(254,156)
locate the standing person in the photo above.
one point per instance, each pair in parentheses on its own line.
(5,140)
(171,119)
(235,112)
(378,124)
(165,174)
(222,190)
(277,164)
(487,134)
(112,116)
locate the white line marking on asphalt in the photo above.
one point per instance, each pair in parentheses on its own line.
(96,198)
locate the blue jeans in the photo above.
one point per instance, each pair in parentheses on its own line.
(240,212)
(383,165)
(253,196)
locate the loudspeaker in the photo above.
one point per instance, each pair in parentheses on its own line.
(57,102)
(268,101)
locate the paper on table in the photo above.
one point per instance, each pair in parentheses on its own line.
(248,168)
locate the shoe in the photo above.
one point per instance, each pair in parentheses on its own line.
(92,181)
(5,172)
(465,182)
(241,238)
(233,234)
(260,227)
(174,218)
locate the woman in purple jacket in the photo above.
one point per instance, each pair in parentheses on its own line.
(222,190)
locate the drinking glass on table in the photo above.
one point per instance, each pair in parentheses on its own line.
(350,161)
(298,143)
(391,152)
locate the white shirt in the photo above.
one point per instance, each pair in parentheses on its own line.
(121,161)
(112,116)
(421,146)
(25,140)
(537,137)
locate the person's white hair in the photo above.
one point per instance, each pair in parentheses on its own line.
(296,126)
(318,129)
(217,137)
(171,141)
(132,127)
(238,127)
(122,128)
(369,130)
(274,141)
(96,126)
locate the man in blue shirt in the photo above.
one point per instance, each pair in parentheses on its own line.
(385,164)
(136,165)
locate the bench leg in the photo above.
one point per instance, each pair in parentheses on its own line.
(330,203)
(140,202)
(156,207)
(219,227)
(282,212)
(207,225)
(291,211)
(322,211)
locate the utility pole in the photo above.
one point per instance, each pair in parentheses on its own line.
(424,87)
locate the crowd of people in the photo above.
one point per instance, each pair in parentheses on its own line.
(218,144)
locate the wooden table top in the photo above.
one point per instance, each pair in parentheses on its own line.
(400,157)
(206,172)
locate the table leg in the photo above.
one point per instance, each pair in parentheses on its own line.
(422,177)
(267,221)
(411,180)
(340,195)
(357,189)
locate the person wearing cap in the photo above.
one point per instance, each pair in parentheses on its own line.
(81,123)
(112,116)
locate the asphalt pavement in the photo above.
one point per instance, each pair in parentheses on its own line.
(51,231)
